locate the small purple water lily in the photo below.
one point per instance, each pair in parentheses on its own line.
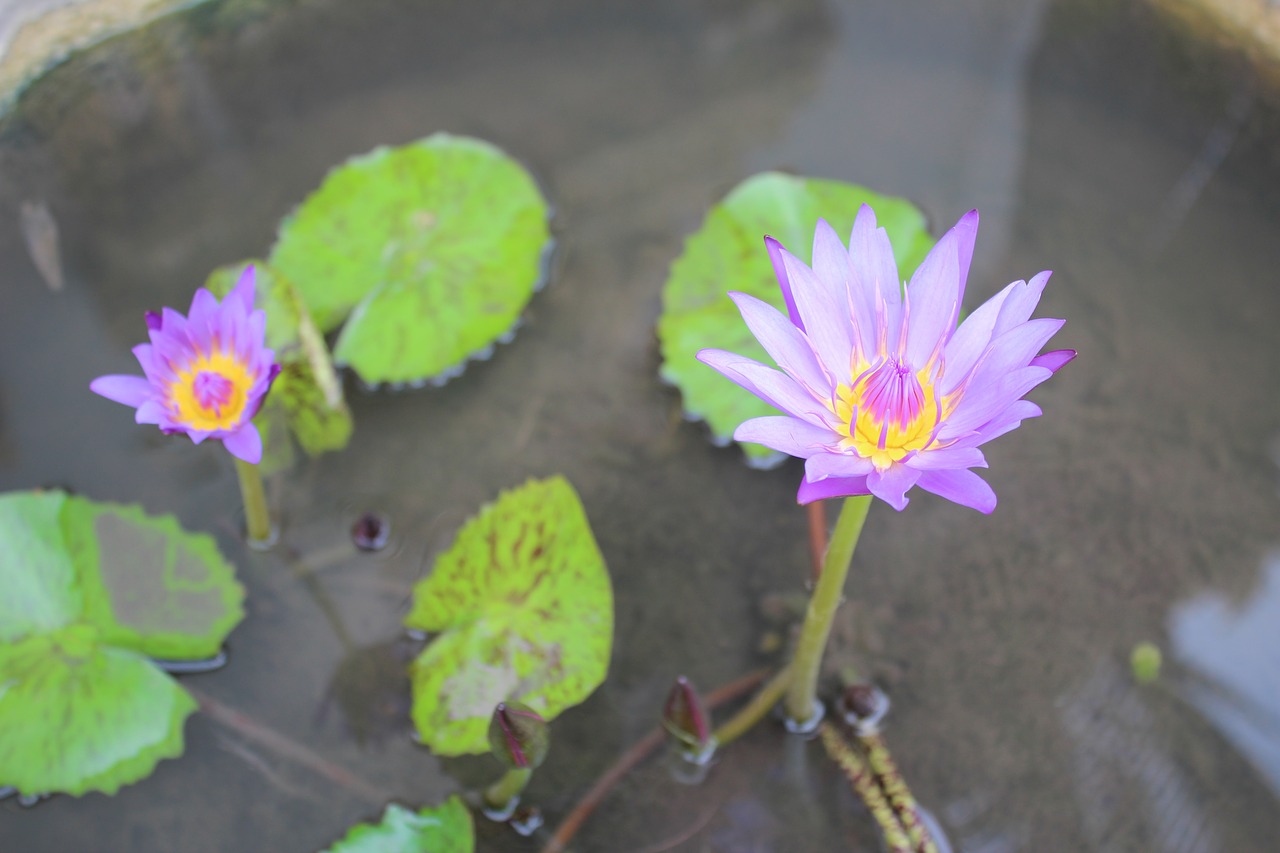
(206,373)
(881,390)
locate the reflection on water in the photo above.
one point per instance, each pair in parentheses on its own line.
(1234,650)
(1128,784)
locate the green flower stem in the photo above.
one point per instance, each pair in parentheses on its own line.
(760,704)
(895,788)
(822,608)
(500,794)
(864,785)
(257,517)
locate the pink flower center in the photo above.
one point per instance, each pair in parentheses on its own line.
(891,394)
(887,411)
(212,391)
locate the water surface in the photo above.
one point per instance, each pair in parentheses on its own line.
(1096,142)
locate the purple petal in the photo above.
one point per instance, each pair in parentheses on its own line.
(966,230)
(839,465)
(891,484)
(791,436)
(947,457)
(245,443)
(775,388)
(982,404)
(243,292)
(874,275)
(1021,302)
(204,311)
(825,317)
(785,343)
(933,300)
(832,487)
(1007,421)
(776,251)
(970,340)
(153,320)
(1054,360)
(960,486)
(130,390)
(151,412)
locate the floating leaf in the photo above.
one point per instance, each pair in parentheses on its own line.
(444,829)
(307,395)
(525,608)
(433,249)
(91,591)
(727,253)
(78,716)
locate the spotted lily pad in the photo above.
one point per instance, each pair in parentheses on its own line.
(93,591)
(524,610)
(443,829)
(428,252)
(307,395)
(728,253)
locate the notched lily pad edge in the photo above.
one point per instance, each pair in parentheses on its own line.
(766,460)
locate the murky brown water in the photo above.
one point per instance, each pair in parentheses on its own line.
(1143,506)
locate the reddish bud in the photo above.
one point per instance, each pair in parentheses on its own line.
(518,737)
(684,715)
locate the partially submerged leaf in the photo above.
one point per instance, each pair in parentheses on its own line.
(446,828)
(149,585)
(307,395)
(41,592)
(524,607)
(97,588)
(77,716)
(428,252)
(728,253)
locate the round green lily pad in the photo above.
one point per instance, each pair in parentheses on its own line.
(524,609)
(446,828)
(728,253)
(92,591)
(428,251)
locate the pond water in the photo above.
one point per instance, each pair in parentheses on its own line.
(1144,506)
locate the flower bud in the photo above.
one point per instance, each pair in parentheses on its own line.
(518,737)
(684,717)
(863,707)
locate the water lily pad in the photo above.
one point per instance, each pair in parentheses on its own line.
(443,829)
(727,253)
(307,395)
(92,591)
(524,607)
(428,252)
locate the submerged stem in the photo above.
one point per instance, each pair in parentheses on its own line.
(750,714)
(500,794)
(866,787)
(257,517)
(895,788)
(826,598)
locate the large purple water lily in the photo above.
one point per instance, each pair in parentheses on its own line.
(206,373)
(881,390)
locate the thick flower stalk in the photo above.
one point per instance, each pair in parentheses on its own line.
(206,375)
(879,388)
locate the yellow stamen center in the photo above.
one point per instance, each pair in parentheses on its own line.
(211,392)
(887,411)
